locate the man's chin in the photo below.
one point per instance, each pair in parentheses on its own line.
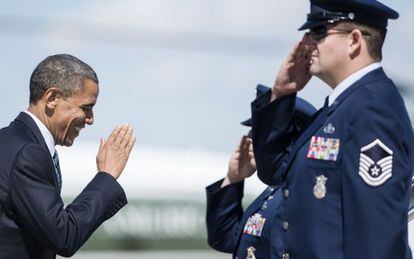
(313,70)
(67,142)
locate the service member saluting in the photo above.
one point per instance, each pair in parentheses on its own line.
(346,177)
(248,233)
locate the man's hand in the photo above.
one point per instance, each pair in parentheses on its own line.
(113,153)
(294,73)
(242,163)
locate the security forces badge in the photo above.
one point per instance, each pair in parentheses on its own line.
(375,163)
(319,190)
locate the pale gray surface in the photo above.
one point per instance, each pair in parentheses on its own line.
(152,255)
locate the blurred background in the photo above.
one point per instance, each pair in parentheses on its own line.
(183,73)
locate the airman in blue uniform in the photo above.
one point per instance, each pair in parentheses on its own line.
(246,234)
(345,179)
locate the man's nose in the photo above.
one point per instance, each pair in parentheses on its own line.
(89,120)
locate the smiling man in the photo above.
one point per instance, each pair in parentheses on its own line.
(346,177)
(33,220)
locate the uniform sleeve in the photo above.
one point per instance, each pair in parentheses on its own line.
(273,131)
(224,212)
(40,210)
(376,174)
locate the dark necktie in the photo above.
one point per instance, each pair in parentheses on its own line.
(57,170)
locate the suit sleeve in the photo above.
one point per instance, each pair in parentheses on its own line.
(224,212)
(273,131)
(40,209)
(375,207)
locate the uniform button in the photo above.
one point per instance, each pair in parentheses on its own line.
(285,256)
(264,206)
(285,225)
(286,193)
(270,197)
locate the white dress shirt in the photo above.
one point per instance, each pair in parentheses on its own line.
(351,80)
(47,136)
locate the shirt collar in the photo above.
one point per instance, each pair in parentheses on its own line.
(47,136)
(350,80)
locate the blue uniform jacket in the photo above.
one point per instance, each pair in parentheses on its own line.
(33,220)
(226,219)
(346,203)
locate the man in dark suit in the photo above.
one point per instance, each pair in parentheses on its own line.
(33,220)
(248,233)
(346,178)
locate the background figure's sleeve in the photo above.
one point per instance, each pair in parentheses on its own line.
(375,213)
(40,210)
(273,130)
(224,212)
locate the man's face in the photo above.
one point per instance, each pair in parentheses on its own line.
(329,50)
(72,113)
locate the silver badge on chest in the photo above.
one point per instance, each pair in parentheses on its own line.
(329,129)
(250,253)
(319,190)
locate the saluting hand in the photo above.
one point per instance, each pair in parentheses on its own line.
(114,152)
(294,73)
(242,163)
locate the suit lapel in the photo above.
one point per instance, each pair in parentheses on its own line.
(31,124)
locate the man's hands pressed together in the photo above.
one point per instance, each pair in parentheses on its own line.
(113,153)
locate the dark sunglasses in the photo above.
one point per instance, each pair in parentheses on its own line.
(319,33)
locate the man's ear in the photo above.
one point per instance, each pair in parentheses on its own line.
(51,97)
(355,43)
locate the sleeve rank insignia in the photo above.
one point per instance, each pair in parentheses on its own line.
(321,148)
(375,163)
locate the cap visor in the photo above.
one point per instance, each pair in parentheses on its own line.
(247,123)
(310,24)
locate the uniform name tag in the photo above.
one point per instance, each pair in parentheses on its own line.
(254,225)
(321,148)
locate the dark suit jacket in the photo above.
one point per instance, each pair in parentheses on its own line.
(33,220)
(352,213)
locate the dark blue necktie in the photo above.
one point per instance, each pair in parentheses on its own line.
(57,170)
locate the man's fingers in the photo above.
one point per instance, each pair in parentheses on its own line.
(127,137)
(293,54)
(251,147)
(130,144)
(239,147)
(122,132)
(114,134)
(101,145)
(245,147)
(301,52)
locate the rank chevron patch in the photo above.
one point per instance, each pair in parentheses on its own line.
(375,163)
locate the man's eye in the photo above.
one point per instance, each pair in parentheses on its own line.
(86,109)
